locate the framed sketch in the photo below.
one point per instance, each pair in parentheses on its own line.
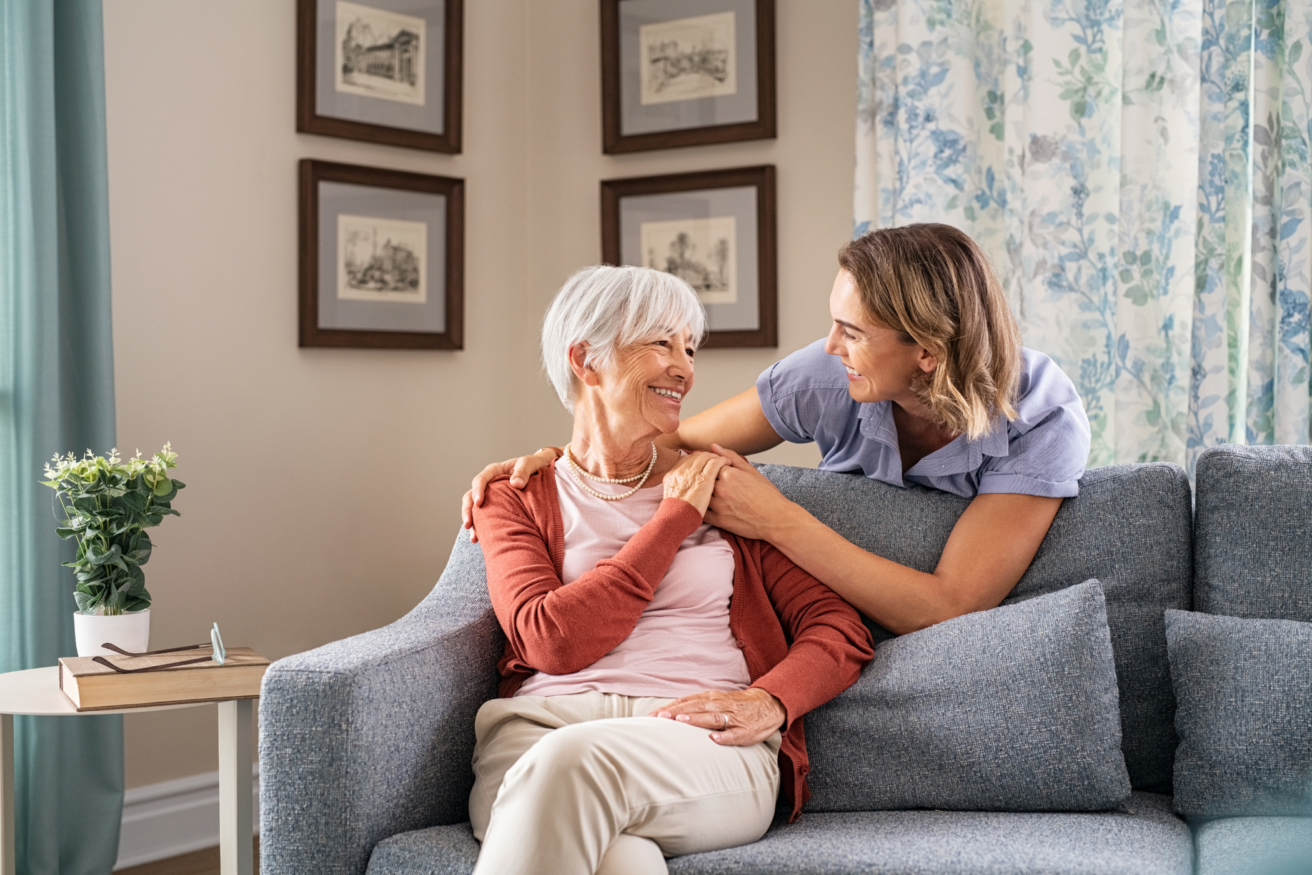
(686,73)
(385,71)
(382,258)
(716,230)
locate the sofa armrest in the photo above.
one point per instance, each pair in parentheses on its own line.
(372,736)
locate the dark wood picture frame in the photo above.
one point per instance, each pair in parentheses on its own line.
(762,178)
(614,141)
(312,173)
(308,121)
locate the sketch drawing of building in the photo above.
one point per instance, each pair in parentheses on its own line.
(396,59)
(380,53)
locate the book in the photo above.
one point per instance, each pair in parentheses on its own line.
(92,686)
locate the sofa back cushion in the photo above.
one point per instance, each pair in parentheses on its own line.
(1244,692)
(1130,528)
(1253,533)
(1013,709)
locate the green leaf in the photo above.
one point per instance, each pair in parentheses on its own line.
(86,604)
(1126,275)
(1295,52)
(1145,258)
(164,486)
(1138,294)
(65,534)
(1130,257)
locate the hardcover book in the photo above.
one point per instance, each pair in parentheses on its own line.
(93,685)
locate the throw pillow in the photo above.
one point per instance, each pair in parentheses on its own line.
(1012,709)
(1243,691)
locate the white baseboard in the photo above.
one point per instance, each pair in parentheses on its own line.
(173,817)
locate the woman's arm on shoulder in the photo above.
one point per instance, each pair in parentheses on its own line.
(986,554)
(738,423)
(557,628)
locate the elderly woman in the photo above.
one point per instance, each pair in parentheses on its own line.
(922,380)
(656,670)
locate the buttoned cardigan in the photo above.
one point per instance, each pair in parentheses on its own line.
(802,643)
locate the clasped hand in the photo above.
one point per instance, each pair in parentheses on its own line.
(744,502)
(743,717)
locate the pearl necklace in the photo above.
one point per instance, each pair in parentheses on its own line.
(575,470)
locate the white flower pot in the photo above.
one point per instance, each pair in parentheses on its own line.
(129,631)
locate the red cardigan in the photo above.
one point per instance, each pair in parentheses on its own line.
(561,629)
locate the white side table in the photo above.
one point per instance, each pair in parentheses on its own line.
(36,692)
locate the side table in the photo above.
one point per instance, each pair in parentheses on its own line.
(35,692)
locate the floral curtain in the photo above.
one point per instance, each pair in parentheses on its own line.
(1138,173)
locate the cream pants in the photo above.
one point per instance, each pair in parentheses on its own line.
(588,784)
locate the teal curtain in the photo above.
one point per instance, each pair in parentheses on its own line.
(56,394)
(1139,174)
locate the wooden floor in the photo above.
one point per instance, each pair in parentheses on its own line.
(204,862)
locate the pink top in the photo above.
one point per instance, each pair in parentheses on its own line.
(681,643)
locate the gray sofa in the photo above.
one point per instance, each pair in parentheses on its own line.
(365,743)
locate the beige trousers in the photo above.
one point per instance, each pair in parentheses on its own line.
(588,784)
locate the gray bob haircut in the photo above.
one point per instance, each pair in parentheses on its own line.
(611,307)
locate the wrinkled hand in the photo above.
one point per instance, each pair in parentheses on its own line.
(519,471)
(743,717)
(693,479)
(745,502)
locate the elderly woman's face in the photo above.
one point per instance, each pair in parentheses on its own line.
(649,379)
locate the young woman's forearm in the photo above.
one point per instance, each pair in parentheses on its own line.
(989,550)
(896,597)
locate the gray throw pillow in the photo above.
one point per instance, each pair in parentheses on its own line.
(1012,709)
(1243,691)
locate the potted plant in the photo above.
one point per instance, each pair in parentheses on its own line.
(107,505)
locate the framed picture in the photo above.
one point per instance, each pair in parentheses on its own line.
(714,229)
(382,258)
(686,73)
(385,71)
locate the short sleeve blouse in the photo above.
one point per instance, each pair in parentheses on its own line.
(1041,452)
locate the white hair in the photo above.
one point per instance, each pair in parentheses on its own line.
(611,307)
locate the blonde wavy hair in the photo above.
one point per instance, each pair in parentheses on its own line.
(934,285)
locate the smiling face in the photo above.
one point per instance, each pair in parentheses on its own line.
(880,365)
(643,390)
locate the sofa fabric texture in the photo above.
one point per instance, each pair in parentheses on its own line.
(1254,846)
(1013,709)
(373,735)
(1145,839)
(1244,715)
(1130,528)
(1254,532)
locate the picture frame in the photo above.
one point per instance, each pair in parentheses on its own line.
(382,261)
(708,76)
(716,229)
(382,71)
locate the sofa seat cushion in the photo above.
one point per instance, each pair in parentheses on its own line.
(1013,709)
(1255,846)
(1146,839)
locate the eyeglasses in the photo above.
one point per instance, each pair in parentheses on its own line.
(218,654)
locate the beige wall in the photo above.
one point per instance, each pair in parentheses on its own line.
(323,485)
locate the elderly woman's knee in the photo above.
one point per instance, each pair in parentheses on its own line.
(568,750)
